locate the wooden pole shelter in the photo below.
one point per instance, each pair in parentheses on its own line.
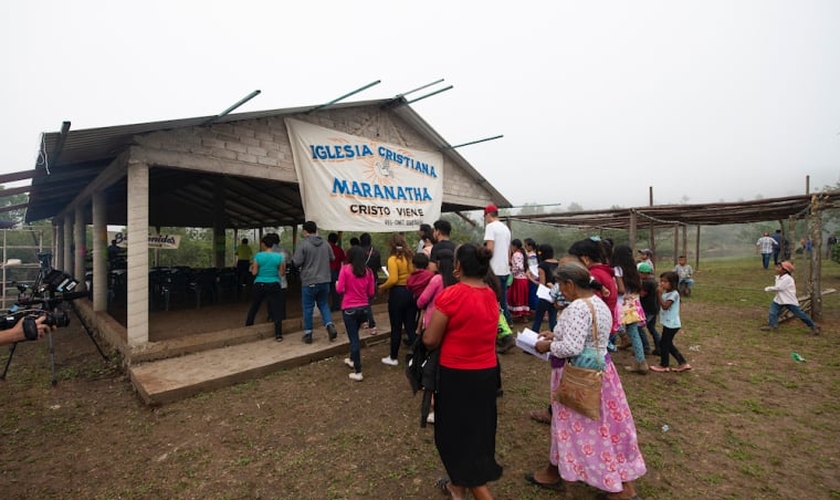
(815,281)
(652,226)
(697,250)
(676,242)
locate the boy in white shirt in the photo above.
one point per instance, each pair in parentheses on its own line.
(785,289)
(684,271)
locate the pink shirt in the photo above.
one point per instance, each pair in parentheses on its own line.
(357,290)
(427,298)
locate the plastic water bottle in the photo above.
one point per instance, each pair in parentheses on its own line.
(665,428)
(797,357)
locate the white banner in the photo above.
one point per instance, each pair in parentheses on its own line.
(352,183)
(165,241)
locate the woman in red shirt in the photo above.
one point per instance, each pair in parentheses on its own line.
(464,327)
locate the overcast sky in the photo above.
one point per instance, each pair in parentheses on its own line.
(704,101)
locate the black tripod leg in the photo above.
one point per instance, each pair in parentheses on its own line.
(52,359)
(90,334)
(8,361)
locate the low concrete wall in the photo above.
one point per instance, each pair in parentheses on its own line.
(105,326)
(116,335)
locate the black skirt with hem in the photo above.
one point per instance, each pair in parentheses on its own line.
(465,425)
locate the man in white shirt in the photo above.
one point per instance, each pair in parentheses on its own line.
(497,239)
(765,246)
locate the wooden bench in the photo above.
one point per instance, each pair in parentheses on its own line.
(804,304)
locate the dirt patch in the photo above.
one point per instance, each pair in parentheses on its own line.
(747,422)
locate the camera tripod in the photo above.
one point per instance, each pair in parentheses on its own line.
(44,297)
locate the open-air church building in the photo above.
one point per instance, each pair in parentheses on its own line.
(374,166)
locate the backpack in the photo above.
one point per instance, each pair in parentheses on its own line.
(421,369)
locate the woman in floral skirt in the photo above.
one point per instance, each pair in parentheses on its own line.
(602,453)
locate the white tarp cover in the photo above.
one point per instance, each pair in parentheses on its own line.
(353,183)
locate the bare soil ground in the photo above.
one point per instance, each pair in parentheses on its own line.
(748,422)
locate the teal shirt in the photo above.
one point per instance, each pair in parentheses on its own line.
(268,267)
(670,317)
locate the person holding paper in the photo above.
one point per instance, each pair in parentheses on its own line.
(547,265)
(592,254)
(402,308)
(602,453)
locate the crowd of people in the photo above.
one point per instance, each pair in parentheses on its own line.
(462,299)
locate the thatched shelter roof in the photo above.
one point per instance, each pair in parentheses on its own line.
(708,214)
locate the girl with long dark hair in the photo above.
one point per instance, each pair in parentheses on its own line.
(356,286)
(402,308)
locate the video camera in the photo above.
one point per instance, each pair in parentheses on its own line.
(51,288)
(46,298)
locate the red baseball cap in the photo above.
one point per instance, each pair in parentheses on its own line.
(490,208)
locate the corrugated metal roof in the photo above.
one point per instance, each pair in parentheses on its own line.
(85,153)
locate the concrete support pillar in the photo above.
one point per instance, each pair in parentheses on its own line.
(219,223)
(67,264)
(138,254)
(100,253)
(81,245)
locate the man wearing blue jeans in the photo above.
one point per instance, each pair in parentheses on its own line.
(497,239)
(766,246)
(313,257)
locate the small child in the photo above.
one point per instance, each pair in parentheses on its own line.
(650,304)
(785,289)
(684,271)
(669,317)
(418,280)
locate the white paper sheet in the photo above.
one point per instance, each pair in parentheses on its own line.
(526,340)
(544,293)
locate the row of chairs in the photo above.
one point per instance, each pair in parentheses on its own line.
(184,283)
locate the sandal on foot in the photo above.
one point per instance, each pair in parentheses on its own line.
(555,486)
(683,368)
(659,369)
(443,485)
(541,416)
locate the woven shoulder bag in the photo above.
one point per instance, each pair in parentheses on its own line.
(580,388)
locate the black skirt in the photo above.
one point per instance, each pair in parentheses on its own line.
(465,425)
